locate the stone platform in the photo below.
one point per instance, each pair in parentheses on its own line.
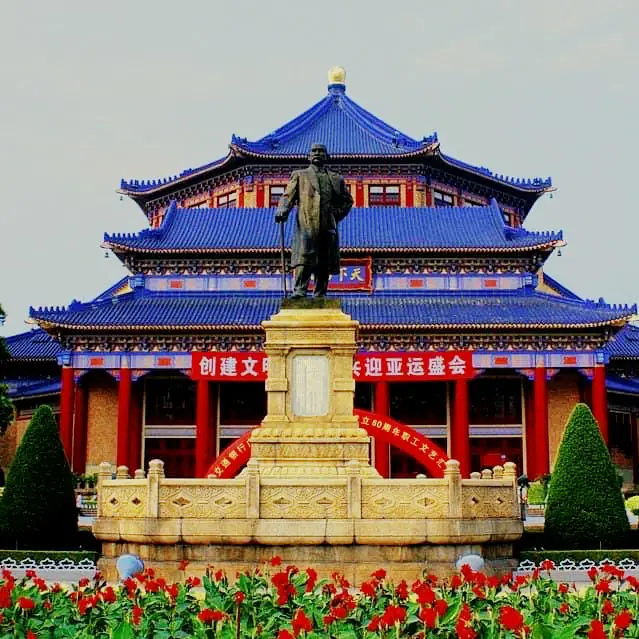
(309,493)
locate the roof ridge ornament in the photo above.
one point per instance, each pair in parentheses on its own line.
(336,80)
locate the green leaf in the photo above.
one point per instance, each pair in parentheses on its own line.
(123,631)
(570,631)
(542,631)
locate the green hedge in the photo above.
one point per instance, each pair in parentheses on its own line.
(55,555)
(579,555)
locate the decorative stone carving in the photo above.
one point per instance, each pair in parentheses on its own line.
(303,502)
(404,501)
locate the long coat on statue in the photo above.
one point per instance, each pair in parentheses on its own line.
(315,236)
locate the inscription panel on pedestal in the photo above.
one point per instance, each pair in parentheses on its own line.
(310,385)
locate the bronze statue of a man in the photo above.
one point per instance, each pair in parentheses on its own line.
(322,202)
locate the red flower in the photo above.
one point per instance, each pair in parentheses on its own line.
(596,630)
(368,589)
(425,594)
(375,623)
(607,607)
(40,583)
(183,564)
(564,609)
(441,607)
(301,622)
(193,582)
(455,581)
(84,582)
(152,586)
(45,604)
(592,573)
(208,616)
(379,574)
(172,591)
(108,595)
(393,614)
(623,620)
(402,589)
(563,588)
(30,574)
(276,561)
(31,635)
(328,620)
(312,579)
(219,575)
(284,634)
(25,603)
(510,618)
(613,571)
(547,564)
(136,615)
(5,598)
(239,597)
(603,586)
(428,616)
(84,603)
(479,592)
(463,626)
(493,582)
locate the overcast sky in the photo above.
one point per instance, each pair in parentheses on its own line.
(94,91)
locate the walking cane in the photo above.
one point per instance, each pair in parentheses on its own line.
(283,258)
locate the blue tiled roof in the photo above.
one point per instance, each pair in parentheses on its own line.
(559,288)
(34,345)
(374,228)
(24,389)
(625,344)
(199,311)
(622,384)
(348,131)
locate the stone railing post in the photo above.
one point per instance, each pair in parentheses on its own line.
(122,472)
(252,489)
(105,472)
(155,476)
(453,475)
(354,489)
(475,475)
(510,474)
(139,474)
(498,472)
(486,473)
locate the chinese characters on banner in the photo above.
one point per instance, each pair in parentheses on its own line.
(354,275)
(367,367)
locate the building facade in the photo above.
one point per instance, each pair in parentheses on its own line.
(463,336)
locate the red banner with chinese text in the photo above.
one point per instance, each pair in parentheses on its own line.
(367,367)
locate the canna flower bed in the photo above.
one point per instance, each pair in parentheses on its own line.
(285,603)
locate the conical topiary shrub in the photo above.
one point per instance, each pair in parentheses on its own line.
(38,510)
(585,508)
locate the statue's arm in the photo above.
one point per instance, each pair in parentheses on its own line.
(288,200)
(345,201)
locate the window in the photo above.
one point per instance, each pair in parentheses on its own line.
(495,401)
(471,203)
(443,199)
(418,404)
(169,402)
(228,200)
(275,193)
(383,195)
(242,403)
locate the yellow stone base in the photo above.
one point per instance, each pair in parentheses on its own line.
(355,562)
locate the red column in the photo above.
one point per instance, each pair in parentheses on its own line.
(429,196)
(80,424)
(410,201)
(135,428)
(381,401)
(531,444)
(124,410)
(359,194)
(460,429)
(66,411)
(600,400)
(540,394)
(202,428)
(259,196)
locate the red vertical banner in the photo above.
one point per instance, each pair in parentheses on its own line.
(359,194)
(124,409)
(540,392)
(66,411)
(410,199)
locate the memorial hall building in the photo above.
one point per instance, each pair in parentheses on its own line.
(463,335)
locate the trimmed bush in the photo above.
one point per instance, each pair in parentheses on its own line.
(632,505)
(585,508)
(37,510)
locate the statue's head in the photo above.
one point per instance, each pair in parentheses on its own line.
(318,155)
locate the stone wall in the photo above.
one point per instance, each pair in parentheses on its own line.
(563,394)
(102,421)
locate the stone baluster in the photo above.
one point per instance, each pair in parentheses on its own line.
(453,475)
(252,489)
(498,472)
(105,472)
(122,472)
(486,473)
(156,474)
(510,474)
(475,475)
(354,489)
(139,474)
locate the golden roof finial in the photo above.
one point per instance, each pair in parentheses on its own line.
(336,75)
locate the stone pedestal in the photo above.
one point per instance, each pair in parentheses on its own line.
(310,429)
